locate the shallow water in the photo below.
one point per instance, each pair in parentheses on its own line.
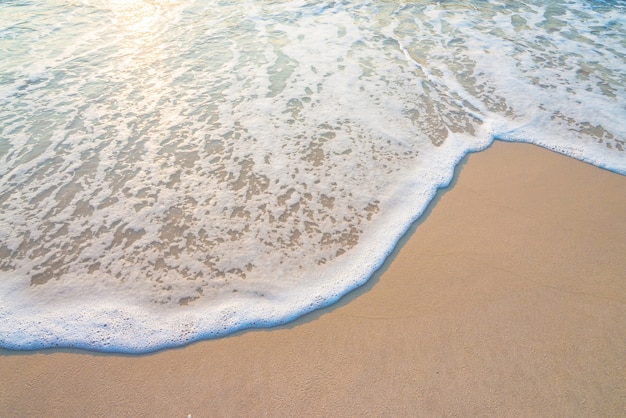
(176,170)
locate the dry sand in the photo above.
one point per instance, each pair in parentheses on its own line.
(509,299)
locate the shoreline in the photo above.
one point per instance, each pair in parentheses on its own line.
(504,298)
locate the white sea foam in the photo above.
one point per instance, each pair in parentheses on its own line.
(175,170)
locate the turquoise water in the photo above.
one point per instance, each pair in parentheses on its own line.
(177,170)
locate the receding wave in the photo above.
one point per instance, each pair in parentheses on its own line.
(173,170)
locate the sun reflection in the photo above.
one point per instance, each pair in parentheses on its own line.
(140,16)
(143,60)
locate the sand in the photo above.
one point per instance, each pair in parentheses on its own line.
(508,299)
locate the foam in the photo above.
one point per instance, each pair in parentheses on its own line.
(179,170)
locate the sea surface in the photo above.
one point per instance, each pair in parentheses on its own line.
(173,170)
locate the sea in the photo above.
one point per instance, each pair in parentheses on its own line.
(178,170)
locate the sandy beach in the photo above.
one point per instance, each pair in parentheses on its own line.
(507,299)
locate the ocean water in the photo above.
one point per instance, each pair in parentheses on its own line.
(172,170)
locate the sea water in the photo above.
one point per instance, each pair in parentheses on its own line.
(172,170)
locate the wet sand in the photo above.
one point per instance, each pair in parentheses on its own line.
(508,299)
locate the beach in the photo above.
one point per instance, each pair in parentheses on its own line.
(507,298)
